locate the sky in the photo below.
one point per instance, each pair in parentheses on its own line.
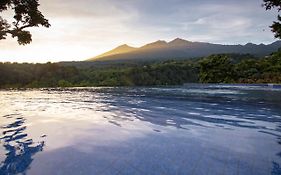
(83,29)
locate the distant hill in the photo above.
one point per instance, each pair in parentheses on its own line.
(179,49)
(118,50)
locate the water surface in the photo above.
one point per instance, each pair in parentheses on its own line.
(194,129)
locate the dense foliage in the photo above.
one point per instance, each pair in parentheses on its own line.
(26,14)
(222,68)
(227,69)
(54,75)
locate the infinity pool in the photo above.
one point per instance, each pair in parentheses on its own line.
(189,130)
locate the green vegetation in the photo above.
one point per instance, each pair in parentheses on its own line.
(228,69)
(54,75)
(222,68)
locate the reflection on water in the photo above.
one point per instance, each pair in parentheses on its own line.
(19,147)
(196,129)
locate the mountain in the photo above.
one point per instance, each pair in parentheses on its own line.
(180,48)
(118,50)
(155,45)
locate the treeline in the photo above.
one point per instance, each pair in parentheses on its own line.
(226,69)
(222,68)
(16,75)
(35,75)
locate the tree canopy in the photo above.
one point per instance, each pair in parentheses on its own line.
(276,26)
(220,68)
(26,14)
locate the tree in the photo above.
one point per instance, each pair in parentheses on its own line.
(276,26)
(26,15)
(217,69)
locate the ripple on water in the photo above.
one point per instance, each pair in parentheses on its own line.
(195,129)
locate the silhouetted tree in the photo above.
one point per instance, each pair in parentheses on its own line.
(26,14)
(276,26)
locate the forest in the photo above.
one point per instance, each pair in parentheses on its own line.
(220,68)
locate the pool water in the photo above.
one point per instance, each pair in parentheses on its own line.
(193,129)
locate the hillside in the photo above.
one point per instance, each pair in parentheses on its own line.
(179,49)
(118,50)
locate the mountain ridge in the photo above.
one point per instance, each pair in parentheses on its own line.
(180,48)
(118,50)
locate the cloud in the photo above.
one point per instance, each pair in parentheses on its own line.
(82,29)
(212,21)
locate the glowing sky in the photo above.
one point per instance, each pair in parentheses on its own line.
(86,28)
